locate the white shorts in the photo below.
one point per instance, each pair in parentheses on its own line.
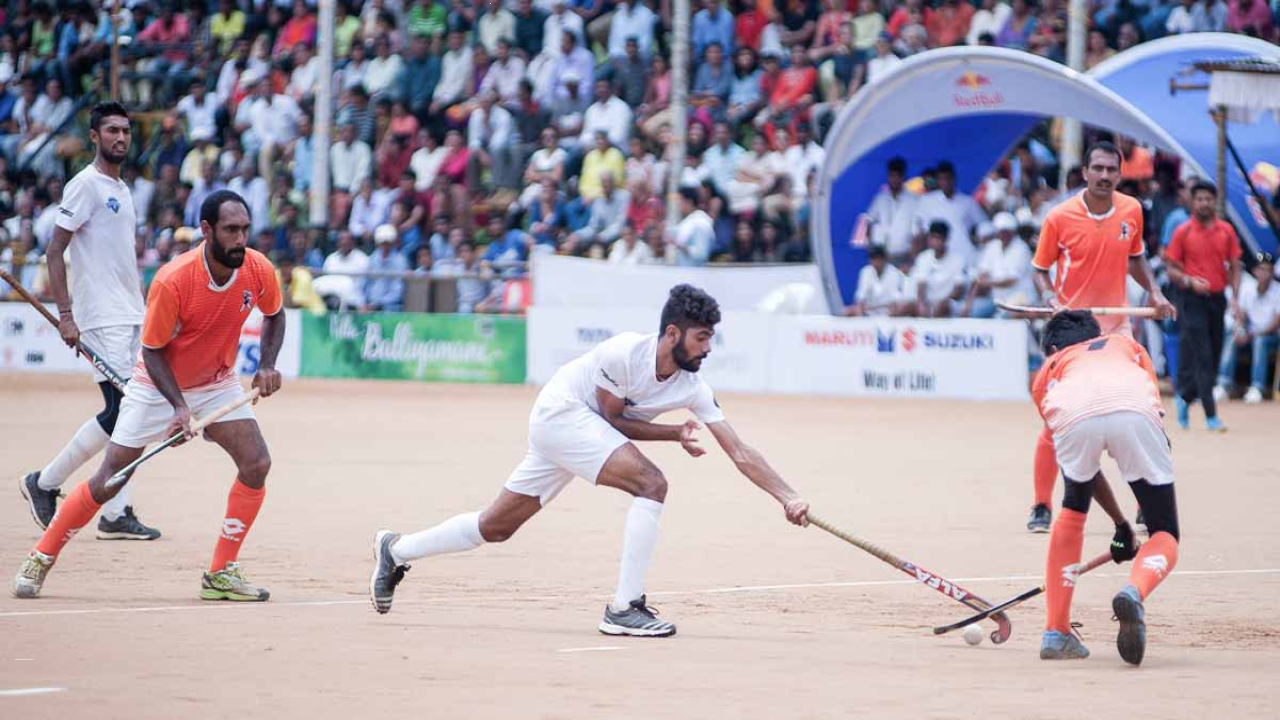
(1135,441)
(145,413)
(573,442)
(118,345)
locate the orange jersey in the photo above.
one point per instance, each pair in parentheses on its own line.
(1108,374)
(196,324)
(1092,254)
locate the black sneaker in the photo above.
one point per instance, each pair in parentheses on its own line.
(125,527)
(1040,519)
(639,620)
(43,503)
(386,573)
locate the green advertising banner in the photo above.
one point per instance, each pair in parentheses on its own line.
(414,346)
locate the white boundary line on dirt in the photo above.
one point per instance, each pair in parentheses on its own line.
(31,691)
(561,596)
(596,648)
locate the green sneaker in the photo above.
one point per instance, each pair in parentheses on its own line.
(229,584)
(30,577)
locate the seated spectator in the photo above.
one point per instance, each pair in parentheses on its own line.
(757,171)
(720,161)
(567,110)
(883,60)
(572,60)
(882,289)
(495,25)
(628,250)
(799,22)
(382,76)
(608,114)
(408,231)
(385,293)
(938,275)
(1257,322)
(604,224)
(892,214)
(297,287)
(255,192)
(709,97)
(644,209)
(711,24)
(745,99)
(423,261)
(1018,27)
(562,22)
(547,217)
(632,20)
(426,160)
(350,163)
(368,211)
(530,22)
(630,75)
(505,74)
(1003,271)
(492,144)
(339,281)
(267,123)
(471,287)
(642,166)
(456,73)
(791,96)
(654,113)
(507,246)
(546,163)
(604,159)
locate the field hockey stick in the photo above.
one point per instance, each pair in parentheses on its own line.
(87,352)
(1040,310)
(1004,628)
(1078,569)
(213,417)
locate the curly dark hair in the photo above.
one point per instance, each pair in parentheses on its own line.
(1068,328)
(688,306)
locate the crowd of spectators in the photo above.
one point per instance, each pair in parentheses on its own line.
(468,135)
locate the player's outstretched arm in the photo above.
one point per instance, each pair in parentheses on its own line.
(611,408)
(753,465)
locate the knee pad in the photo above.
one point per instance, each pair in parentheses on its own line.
(1159,506)
(111,398)
(1077,495)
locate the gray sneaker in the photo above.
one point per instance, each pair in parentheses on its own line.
(1057,646)
(1041,519)
(126,527)
(639,620)
(386,573)
(30,577)
(43,503)
(1132,639)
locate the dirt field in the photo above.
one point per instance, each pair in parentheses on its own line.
(774,621)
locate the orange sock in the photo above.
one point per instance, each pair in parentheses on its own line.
(242,507)
(74,513)
(1066,542)
(1046,468)
(1155,561)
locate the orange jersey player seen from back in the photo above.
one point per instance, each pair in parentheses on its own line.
(1098,393)
(1092,242)
(195,310)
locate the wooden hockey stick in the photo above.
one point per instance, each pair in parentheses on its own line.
(1145,312)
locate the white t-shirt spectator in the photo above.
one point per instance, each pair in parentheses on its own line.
(634,20)
(202,123)
(694,236)
(893,220)
(425,165)
(492,131)
(504,79)
(383,74)
(638,254)
(1260,310)
(349,289)
(613,116)
(105,286)
(1000,263)
(960,211)
(303,80)
(876,291)
(350,164)
(455,74)
(274,120)
(800,161)
(557,24)
(258,196)
(939,277)
(878,67)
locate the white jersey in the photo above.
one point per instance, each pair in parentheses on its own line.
(106,289)
(626,367)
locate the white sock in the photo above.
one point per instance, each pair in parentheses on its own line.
(458,533)
(88,441)
(114,508)
(637,549)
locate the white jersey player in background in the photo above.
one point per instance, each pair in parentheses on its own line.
(582,425)
(96,221)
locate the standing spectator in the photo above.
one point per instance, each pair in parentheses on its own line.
(892,215)
(386,293)
(632,20)
(1257,322)
(948,24)
(938,275)
(711,24)
(959,211)
(1004,271)
(1203,259)
(496,24)
(422,73)
(604,224)
(491,139)
(691,239)
(882,288)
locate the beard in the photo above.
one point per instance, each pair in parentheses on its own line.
(113,157)
(684,360)
(233,258)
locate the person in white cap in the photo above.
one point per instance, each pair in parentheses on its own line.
(1003,271)
(386,293)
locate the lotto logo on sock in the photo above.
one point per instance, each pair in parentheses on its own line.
(1157,564)
(1069,575)
(231,527)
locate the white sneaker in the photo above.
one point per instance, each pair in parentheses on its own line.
(1219,393)
(1253,396)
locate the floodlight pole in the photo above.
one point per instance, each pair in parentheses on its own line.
(323,119)
(1072,132)
(679,107)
